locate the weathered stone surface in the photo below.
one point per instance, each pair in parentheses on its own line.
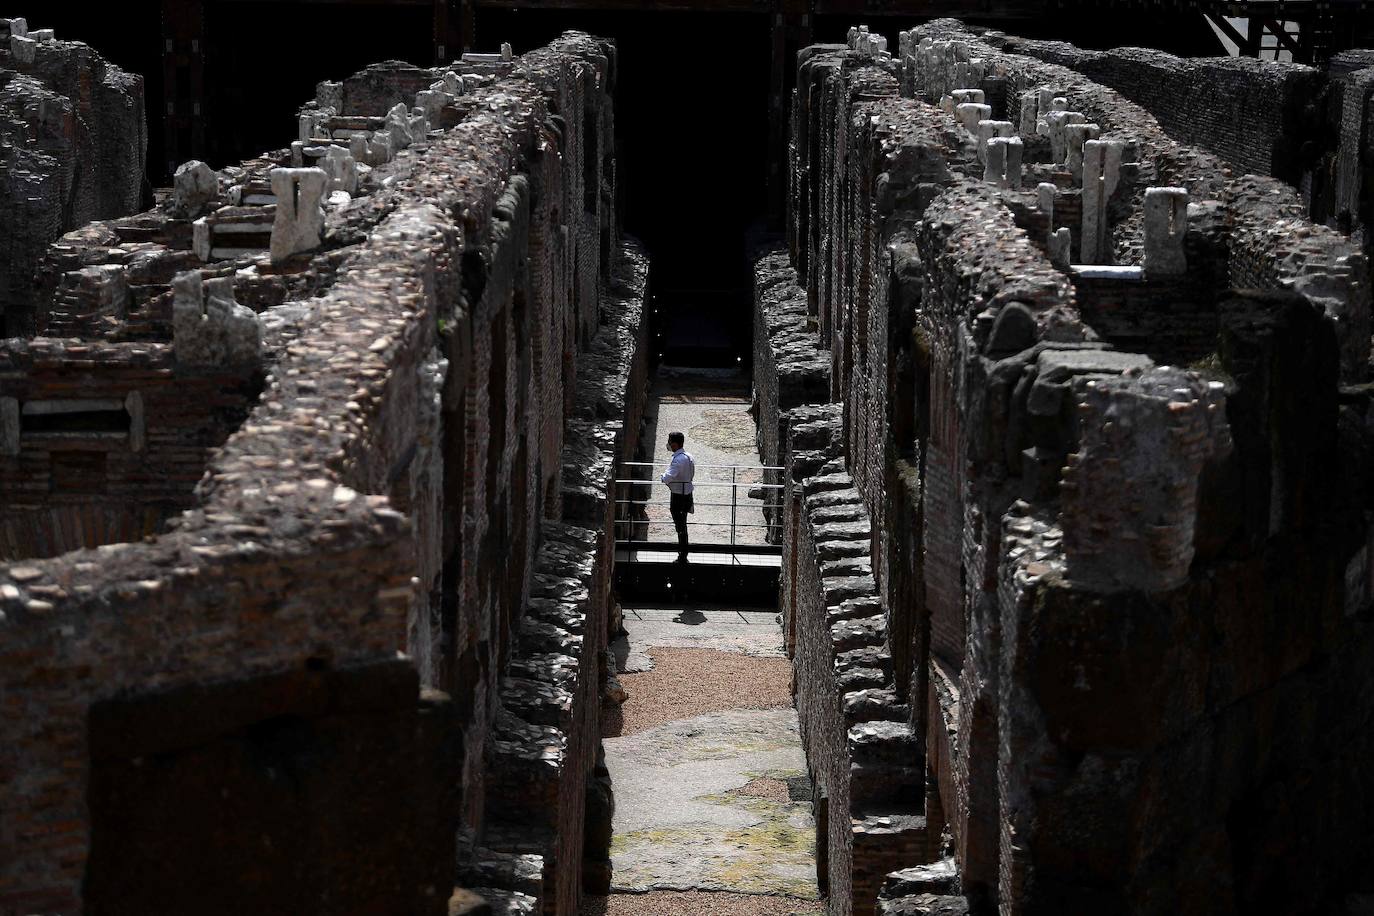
(345,454)
(73,139)
(194,186)
(988,388)
(679,827)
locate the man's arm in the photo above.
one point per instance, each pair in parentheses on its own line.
(674,470)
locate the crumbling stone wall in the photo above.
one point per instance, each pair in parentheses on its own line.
(449,364)
(1004,392)
(1307,127)
(1254,114)
(105,441)
(72,144)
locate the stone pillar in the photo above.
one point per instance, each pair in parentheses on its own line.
(24,49)
(209,328)
(970,115)
(1030,113)
(1060,247)
(398,126)
(1045,192)
(1003,162)
(1166,226)
(989,129)
(138,423)
(1058,123)
(1047,100)
(1076,135)
(1130,490)
(1101,174)
(341,169)
(299,222)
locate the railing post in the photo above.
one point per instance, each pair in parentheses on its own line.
(734,499)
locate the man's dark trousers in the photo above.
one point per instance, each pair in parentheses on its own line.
(679,504)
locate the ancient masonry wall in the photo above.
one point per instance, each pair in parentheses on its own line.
(790,370)
(982,249)
(1253,114)
(72,145)
(416,366)
(1313,129)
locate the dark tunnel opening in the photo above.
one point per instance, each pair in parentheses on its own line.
(692,158)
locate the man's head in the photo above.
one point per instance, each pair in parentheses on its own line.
(676,441)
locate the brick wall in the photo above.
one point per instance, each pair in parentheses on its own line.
(1252,113)
(977,412)
(400,483)
(68,483)
(859,744)
(790,369)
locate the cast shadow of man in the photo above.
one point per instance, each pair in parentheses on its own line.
(690,617)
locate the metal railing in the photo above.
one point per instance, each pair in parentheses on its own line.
(627,524)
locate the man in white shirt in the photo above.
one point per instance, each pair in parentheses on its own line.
(678,478)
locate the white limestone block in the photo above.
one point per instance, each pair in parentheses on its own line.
(379,148)
(1060,243)
(1058,122)
(200,239)
(398,125)
(1101,174)
(986,130)
(359,147)
(299,222)
(210,328)
(25,50)
(970,115)
(1166,226)
(342,170)
(194,186)
(1045,192)
(1075,135)
(432,103)
(1003,166)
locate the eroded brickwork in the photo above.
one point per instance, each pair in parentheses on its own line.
(356,397)
(1063,369)
(72,145)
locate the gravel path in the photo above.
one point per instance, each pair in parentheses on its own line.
(697,903)
(691,682)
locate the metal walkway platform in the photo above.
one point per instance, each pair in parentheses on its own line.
(733,554)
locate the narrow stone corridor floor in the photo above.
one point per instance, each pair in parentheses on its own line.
(713,804)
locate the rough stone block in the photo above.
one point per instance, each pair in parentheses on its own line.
(299,221)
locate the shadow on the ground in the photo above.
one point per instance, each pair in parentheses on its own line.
(612,720)
(594,906)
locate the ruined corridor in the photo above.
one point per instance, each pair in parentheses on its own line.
(1028,386)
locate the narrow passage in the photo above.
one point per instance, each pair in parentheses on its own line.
(713,803)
